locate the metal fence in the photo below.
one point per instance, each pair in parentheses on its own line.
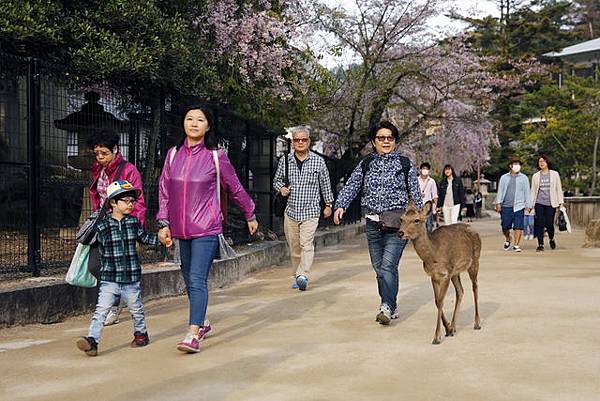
(45,119)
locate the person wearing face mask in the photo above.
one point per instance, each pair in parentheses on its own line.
(512,200)
(428,191)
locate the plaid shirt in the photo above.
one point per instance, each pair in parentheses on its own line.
(303,202)
(119,258)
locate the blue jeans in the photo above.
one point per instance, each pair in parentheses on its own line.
(196,259)
(110,291)
(385,250)
(429,223)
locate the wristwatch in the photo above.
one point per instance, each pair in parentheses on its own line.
(162,223)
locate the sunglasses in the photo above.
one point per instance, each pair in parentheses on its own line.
(300,140)
(382,138)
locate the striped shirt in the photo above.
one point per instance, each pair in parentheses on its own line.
(118,256)
(303,203)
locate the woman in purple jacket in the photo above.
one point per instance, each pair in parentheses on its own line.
(189,211)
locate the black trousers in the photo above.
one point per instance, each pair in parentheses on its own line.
(544,218)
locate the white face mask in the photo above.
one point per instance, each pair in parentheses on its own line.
(516,168)
(424,172)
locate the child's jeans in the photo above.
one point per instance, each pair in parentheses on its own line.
(529,226)
(109,291)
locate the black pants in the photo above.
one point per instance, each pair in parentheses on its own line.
(544,218)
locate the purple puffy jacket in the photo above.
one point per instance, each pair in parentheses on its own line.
(187,192)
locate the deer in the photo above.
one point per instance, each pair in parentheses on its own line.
(446,253)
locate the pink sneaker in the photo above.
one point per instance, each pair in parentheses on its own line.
(205,331)
(189,344)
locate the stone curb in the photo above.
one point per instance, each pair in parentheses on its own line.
(53,302)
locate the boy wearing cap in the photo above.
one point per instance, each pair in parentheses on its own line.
(512,200)
(120,270)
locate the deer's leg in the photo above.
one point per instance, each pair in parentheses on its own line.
(473,275)
(440,288)
(458,288)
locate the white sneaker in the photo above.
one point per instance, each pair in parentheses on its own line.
(396,314)
(113,317)
(385,315)
(516,248)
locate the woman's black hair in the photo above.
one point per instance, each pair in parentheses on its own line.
(546,158)
(210,138)
(384,125)
(426,165)
(469,191)
(106,138)
(451,168)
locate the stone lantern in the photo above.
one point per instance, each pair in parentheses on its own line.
(86,123)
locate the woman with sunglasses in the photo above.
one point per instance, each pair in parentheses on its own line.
(387,180)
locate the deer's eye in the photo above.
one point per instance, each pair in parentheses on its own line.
(417,221)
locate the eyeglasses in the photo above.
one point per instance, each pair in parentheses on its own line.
(300,140)
(129,201)
(383,138)
(101,153)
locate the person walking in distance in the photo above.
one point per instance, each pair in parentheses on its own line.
(547,196)
(387,181)
(308,176)
(451,195)
(428,192)
(512,200)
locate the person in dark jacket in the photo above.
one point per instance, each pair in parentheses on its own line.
(451,195)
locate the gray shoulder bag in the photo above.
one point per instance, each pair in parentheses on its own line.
(225,251)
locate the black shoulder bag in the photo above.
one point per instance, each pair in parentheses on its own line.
(87,233)
(280,201)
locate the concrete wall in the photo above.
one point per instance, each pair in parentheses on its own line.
(53,302)
(582,209)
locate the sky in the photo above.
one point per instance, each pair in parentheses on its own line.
(441,26)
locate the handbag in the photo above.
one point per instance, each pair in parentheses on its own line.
(562,222)
(78,273)
(225,250)
(390,220)
(280,201)
(87,233)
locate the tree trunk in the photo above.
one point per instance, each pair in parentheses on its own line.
(594,163)
(156,108)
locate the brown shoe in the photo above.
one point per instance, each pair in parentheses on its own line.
(87,345)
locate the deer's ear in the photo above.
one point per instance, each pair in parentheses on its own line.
(411,203)
(427,208)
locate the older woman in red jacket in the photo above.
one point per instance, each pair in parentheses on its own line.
(111,166)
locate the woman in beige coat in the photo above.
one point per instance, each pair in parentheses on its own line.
(547,196)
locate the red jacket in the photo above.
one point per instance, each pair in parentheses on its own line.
(129,173)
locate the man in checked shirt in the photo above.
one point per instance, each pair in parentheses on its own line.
(120,271)
(308,175)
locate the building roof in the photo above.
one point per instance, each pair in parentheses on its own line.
(581,52)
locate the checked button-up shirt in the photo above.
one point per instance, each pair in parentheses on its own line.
(305,186)
(118,256)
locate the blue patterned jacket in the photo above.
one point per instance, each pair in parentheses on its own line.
(384,185)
